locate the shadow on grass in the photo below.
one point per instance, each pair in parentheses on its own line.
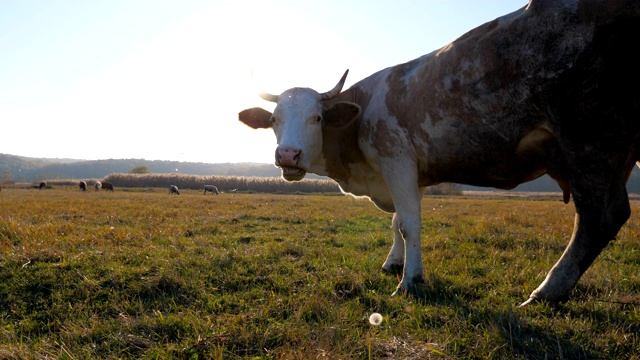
(520,338)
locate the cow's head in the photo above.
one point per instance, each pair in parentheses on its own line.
(297,121)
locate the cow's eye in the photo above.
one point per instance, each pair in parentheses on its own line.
(273,120)
(318,118)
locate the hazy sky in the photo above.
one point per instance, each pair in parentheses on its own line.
(165,79)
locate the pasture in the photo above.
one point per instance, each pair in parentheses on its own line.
(139,274)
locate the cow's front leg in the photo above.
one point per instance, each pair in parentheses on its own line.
(395,260)
(410,225)
(407,226)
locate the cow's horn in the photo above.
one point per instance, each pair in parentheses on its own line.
(336,90)
(269,97)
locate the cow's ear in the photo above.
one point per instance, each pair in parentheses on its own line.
(341,114)
(257,118)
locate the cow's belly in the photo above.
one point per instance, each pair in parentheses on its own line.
(370,185)
(379,195)
(493,162)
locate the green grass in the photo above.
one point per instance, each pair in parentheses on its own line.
(141,274)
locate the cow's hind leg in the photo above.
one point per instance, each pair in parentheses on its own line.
(602,207)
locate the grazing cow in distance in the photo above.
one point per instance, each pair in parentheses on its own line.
(550,88)
(97,185)
(107,186)
(83,185)
(173,190)
(43,184)
(210,188)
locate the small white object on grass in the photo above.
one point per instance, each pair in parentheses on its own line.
(375,319)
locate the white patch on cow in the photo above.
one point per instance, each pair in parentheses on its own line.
(378,104)
(440,129)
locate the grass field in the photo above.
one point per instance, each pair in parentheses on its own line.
(145,275)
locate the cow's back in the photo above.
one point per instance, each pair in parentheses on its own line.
(549,72)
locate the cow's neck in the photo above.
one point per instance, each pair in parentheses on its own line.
(339,151)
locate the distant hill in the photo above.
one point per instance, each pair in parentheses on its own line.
(26,169)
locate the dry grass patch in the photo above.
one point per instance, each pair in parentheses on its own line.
(141,274)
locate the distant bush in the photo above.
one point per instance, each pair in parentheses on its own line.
(444,189)
(139,170)
(223,183)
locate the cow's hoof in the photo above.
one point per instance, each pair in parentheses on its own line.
(394,269)
(530,300)
(400,290)
(552,302)
(409,287)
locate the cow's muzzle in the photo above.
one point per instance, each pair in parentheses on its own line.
(288,158)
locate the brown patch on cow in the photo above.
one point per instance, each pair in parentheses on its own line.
(340,145)
(386,141)
(341,114)
(340,149)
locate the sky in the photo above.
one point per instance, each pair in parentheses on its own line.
(165,79)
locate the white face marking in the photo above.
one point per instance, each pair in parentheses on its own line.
(297,123)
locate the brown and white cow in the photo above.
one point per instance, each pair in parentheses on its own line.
(82,185)
(550,88)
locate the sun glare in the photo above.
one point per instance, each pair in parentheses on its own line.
(177,96)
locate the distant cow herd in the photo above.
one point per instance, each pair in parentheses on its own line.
(82,185)
(106,186)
